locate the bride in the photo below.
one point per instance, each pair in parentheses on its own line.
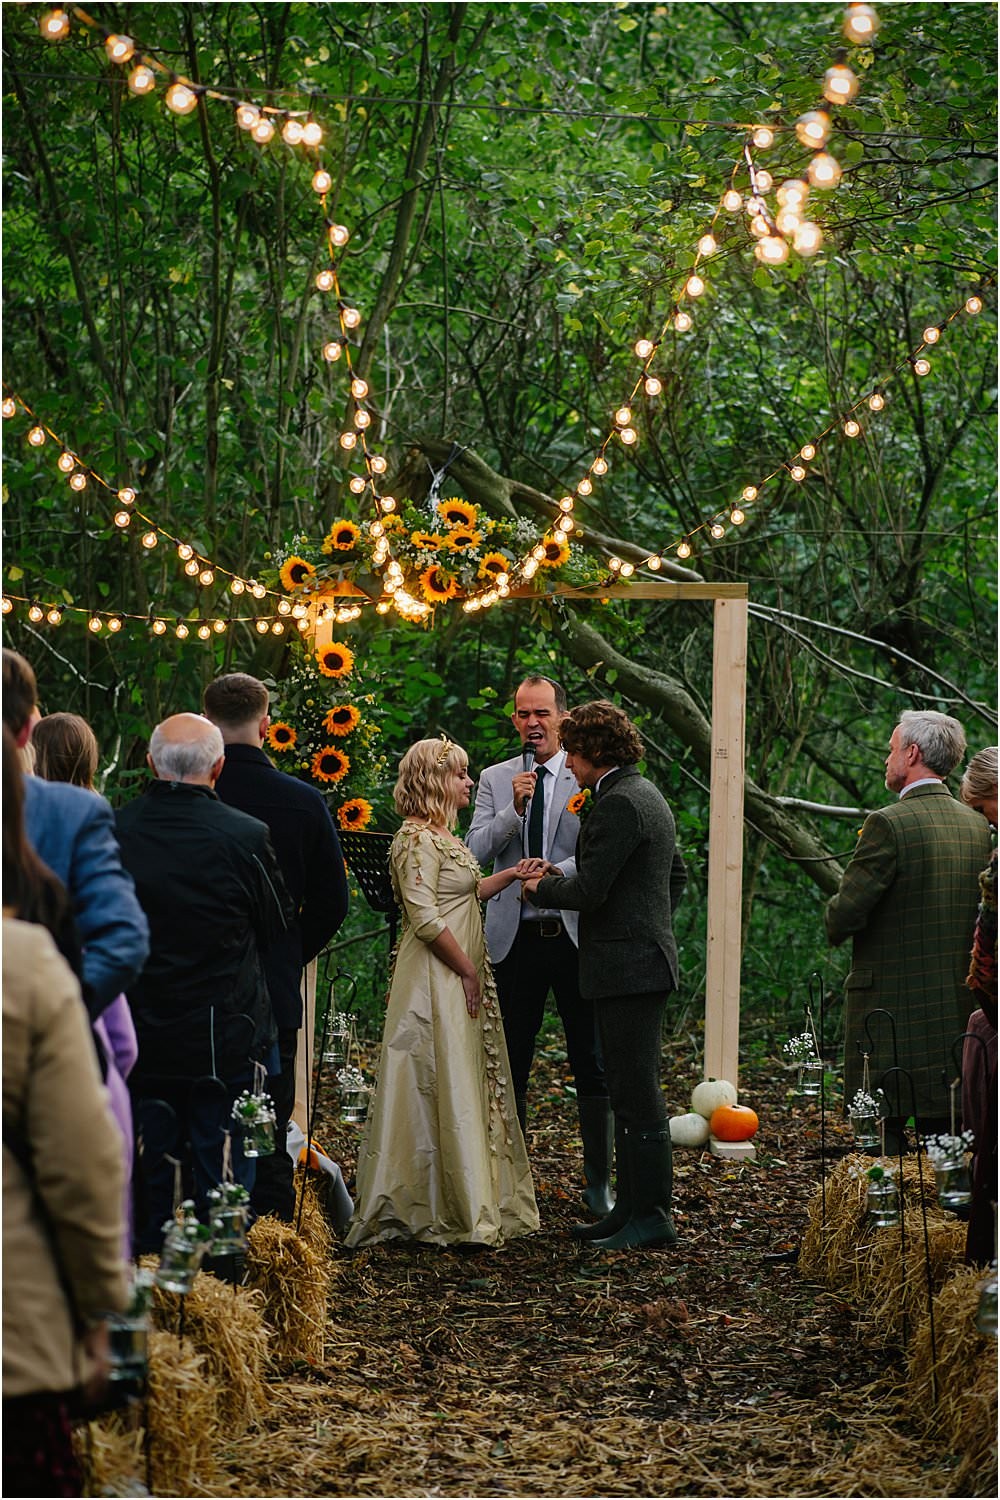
(442,1160)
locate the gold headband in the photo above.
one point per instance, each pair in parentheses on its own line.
(447,746)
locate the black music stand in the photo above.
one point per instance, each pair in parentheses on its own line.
(367,856)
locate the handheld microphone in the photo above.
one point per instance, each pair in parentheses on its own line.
(527,756)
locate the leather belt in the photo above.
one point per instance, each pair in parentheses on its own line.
(545,927)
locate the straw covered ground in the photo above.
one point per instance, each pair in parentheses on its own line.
(549,1369)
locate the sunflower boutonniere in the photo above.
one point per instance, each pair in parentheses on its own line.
(580,803)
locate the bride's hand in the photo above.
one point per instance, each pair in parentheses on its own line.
(473,994)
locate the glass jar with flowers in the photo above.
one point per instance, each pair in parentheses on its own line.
(949,1156)
(803,1052)
(882,1197)
(229,1211)
(254,1114)
(185,1243)
(864,1117)
(353,1095)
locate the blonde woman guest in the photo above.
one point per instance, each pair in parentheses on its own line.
(979,1053)
(442,1160)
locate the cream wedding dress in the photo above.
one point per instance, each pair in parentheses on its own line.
(442,1159)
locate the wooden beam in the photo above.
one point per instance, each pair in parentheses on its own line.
(641,589)
(725,841)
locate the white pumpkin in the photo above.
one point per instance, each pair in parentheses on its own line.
(711,1095)
(689,1129)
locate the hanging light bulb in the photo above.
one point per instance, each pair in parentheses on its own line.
(126,495)
(258,590)
(567,502)
(180,99)
(707,245)
(599,466)
(219,626)
(122,519)
(627,569)
(876,401)
(181,631)
(623,416)
(732,201)
(206,577)
(291,132)
(797,472)
(750,493)
(931,335)
(192,567)
(583,488)
(339,235)
(237,586)
(787,221)
(772,250)
(759,227)
(652,385)
(644,348)
(54,616)
(350,316)
(793,193)
(683,549)
(333,350)
(628,436)
(247,116)
(54,25)
(357,485)
(824,171)
(36,437)
(840,84)
(141,80)
(765,182)
(921,366)
(808,452)
(359,388)
(114,624)
(718,531)
(312,133)
(9,407)
(376,529)
(851,428)
(860,24)
(808,238)
(654,563)
(8,605)
(94,624)
(262,131)
(325,281)
(204,632)
(362,419)
(119,48)
(322,181)
(378,463)
(36,613)
(763,137)
(565,524)
(694,286)
(261,627)
(66,462)
(159,627)
(387,504)
(284,607)
(78,481)
(737,516)
(149,540)
(348,440)
(813,128)
(184,551)
(756,206)
(682,322)
(974,305)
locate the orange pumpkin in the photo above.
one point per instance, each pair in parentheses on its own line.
(733,1122)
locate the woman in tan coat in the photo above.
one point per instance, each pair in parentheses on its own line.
(61,1163)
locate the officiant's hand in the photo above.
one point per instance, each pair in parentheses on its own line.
(523,788)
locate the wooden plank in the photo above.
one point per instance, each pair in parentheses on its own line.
(653,589)
(725,842)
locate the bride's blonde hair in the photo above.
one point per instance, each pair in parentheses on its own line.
(423,790)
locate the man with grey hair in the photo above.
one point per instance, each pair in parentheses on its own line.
(207,878)
(908,900)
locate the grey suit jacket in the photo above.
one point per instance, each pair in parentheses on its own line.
(629,878)
(495,838)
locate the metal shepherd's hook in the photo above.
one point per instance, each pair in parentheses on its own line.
(904,1073)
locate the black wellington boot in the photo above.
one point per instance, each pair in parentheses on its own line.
(597,1132)
(521,1106)
(651,1176)
(619,1215)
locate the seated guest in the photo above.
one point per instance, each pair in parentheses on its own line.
(979,1054)
(210,885)
(63,1269)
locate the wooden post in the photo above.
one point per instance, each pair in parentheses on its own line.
(725,842)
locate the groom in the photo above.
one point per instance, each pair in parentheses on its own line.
(521,812)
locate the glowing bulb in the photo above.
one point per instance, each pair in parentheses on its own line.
(159,627)
(204,632)
(325,281)
(8,605)
(291,132)
(322,181)
(357,485)
(261,627)
(237,586)
(184,551)
(383,606)
(860,23)
(759,227)
(683,549)
(931,335)
(627,569)
(219,626)
(772,250)
(599,466)
(654,564)
(247,116)
(119,48)
(122,518)
(262,131)
(376,529)
(284,608)
(614,563)
(644,348)
(808,238)
(813,129)
(707,245)
(876,401)
(351,317)
(530,568)
(78,481)
(695,286)
(66,462)
(359,388)
(750,493)
(114,624)
(732,201)
(54,25)
(756,206)
(127,495)
(192,567)
(36,613)
(793,193)
(258,590)
(332,351)
(93,624)
(387,504)
(797,472)
(973,306)
(181,631)
(763,137)
(808,452)
(921,366)
(180,99)
(362,419)
(788,221)
(824,171)
(206,577)
(682,322)
(765,182)
(54,616)
(718,531)
(312,133)
(36,437)
(583,488)
(348,440)
(652,385)
(851,428)
(623,416)
(339,235)
(565,524)
(303,624)
(378,463)
(737,517)
(840,84)
(141,80)
(566,503)
(9,407)
(628,436)
(149,540)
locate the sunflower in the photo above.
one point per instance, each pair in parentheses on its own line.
(493,564)
(428,540)
(457,512)
(342,537)
(556,552)
(437,585)
(354,814)
(329,764)
(335,660)
(342,719)
(461,537)
(295,571)
(394,522)
(578,802)
(281,736)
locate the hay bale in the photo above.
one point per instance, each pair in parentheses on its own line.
(294,1283)
(226,1325)
(310,1218)
(964,1368)
(184,1431)
(896,1284)
(111,1455)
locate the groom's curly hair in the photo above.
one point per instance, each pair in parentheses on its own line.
(602,733)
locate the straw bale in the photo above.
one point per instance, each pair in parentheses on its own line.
(183,1417)
(294,1283)
(225,1324)
(310,1217)
(110,1451)
(964,1366)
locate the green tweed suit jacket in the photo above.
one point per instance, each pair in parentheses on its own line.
(908,899)
(629,878)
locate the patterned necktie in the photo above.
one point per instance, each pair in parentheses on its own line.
(536,817)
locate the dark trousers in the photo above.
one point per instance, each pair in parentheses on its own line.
(630,1028)
(196,1139)
(535,965)
(274,1190)
(38,1456)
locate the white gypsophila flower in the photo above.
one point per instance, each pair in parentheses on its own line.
(801,1048)
(352,1080)
(945,1148)
(864,1103)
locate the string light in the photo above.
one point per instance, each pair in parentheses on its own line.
(36,613)
(860,24)
(694,286)
(974,305)
(141,80)
(180,99)
(54,25)
(876,401)
(763,137)
(247,116)
(262,132)
(36,437)
(732,201)
(824,171)
(9,407)
(813,128)
(840,84)
(807,452)
(931,335)
(921,366)
(78,481)
(808,238)
(66,462)
(682,322)
(851,428)
(119,48)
